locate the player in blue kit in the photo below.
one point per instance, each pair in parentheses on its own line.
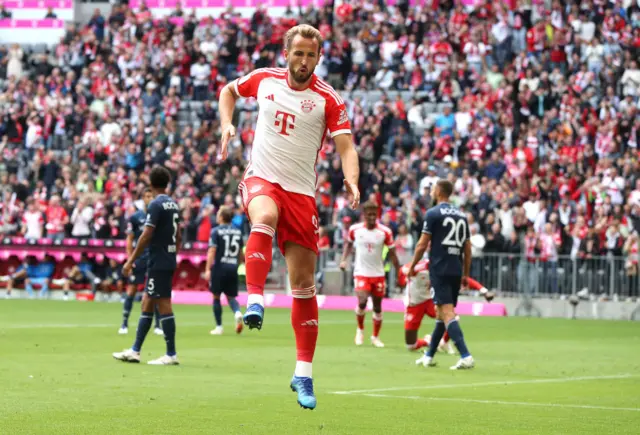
(223,258)
(135,227)
(162,235)
(446,233)
(33,272)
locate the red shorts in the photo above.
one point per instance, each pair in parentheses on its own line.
(413,315)
(376,286)
(297,213)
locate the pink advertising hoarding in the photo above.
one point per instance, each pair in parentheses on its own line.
(346,303)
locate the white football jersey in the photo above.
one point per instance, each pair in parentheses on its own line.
(418,288)
(291,127)
(368,245)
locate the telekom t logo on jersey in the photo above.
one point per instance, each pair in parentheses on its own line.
(282,121)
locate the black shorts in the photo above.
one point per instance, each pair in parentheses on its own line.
(445,289)
(138,275)
(81,278)
(159,283)
(224,281)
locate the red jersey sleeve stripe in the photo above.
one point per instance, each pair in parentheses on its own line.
(326,92)
(330,89)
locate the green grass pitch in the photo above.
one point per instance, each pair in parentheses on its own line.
(533,376)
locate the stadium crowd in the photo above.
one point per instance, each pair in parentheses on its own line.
(530,108)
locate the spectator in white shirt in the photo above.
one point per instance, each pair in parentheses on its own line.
(33,221)
(81,219)
(208,47)
(200,72)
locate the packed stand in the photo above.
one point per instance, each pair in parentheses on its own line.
(531,110)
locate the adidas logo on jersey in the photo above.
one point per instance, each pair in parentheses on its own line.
(257,255)
(269,97)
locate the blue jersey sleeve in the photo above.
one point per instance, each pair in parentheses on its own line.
(153,215)
(130,224)
(429,222)
(213,238)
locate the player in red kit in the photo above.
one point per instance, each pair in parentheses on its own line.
(296,110)
(368,238)
(419,302)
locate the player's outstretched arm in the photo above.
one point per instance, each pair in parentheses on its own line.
(350,166)
(226,106)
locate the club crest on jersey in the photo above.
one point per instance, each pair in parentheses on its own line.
(307,106)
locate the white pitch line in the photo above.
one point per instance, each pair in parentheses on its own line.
(488,384)
(503,402)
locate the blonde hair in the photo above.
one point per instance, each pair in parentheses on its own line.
(304,30)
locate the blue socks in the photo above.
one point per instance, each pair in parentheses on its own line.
(169,328)
(157,317)
(453,327)
(217,311)
(126,311)
(233,304)
(436,336)
(144,324)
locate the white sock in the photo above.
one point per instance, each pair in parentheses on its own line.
(255,299)
(303,369)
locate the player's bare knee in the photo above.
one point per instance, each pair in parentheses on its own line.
(447,313)
(266,218)
(263,210)
(303,286)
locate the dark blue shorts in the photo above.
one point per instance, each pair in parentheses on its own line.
(446,289)
(224,281)
(159,283)
(138,275)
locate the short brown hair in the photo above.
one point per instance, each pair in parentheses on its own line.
(304,30)
(226,214)
(370,205)
(446,188)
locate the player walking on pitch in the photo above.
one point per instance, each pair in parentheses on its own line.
(135,227)
(419,303)
(369,238)
(446,233)
(161,233)
(278,190)
(223,257)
